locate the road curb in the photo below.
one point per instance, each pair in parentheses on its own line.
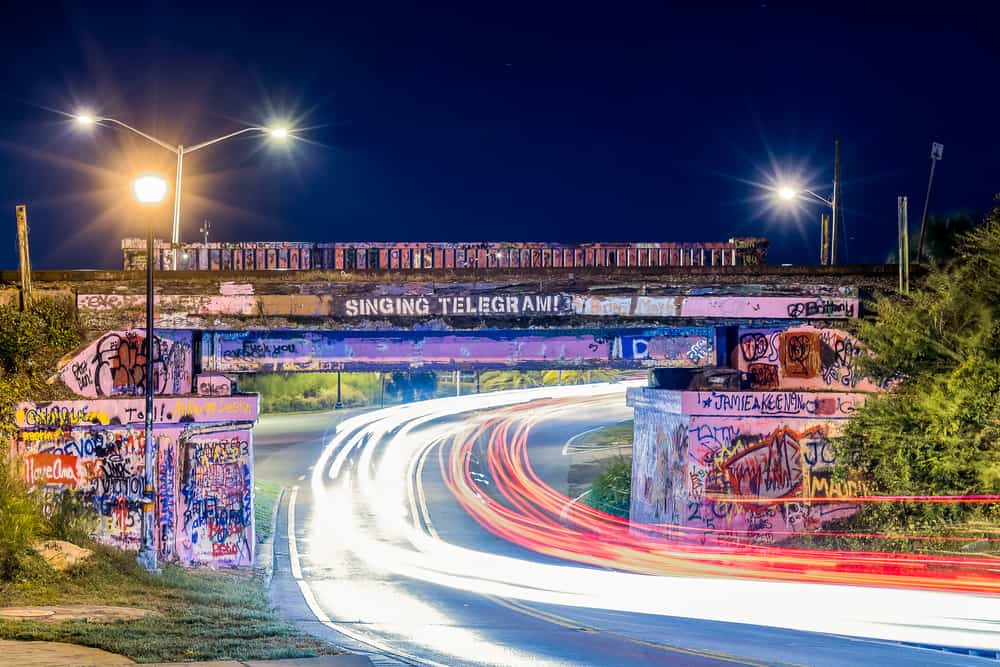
(264,556)
(269,545)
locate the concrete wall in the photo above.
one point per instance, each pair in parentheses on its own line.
(115,365)
(241,352)
(739,463)
(801,357)
(204,473)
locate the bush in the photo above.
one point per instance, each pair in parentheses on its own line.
(938,432)
(22,520)
(612,491)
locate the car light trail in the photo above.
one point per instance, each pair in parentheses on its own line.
(370,502)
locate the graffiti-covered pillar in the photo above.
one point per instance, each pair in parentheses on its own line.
(746,465)
(658,452)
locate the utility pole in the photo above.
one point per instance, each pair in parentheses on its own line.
(24,255)
(937,151)
(824,243)
(836,203)
(339,404)
(903,258)
(458,383)
(205,226)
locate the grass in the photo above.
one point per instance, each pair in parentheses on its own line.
(265,496)
(199,615)
(615,435)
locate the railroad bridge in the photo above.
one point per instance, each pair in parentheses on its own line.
(216,322)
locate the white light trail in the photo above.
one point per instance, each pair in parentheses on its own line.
(382,484)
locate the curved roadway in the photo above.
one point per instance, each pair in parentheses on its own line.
(382,555)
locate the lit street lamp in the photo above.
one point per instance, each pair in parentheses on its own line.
(150,191)
(279,132)
(788,193)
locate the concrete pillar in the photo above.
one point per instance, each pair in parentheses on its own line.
(659,449)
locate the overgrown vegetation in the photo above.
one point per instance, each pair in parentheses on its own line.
(938,432)
(31,342)
(612,489)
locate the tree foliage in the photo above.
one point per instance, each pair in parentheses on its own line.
(938,432)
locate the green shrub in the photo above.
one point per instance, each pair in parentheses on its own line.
(938,432)
(22,520)
(612,490)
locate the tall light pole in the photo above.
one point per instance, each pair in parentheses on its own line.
(180,150)
(937,152)
(149,190)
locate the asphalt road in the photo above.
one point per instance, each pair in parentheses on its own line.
(357,571)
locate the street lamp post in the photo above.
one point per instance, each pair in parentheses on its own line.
(788,193)
(149,190)
(180,150)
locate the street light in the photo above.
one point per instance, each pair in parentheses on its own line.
(149,191)
(86,118)
(789,193)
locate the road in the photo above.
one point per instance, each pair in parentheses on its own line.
(386,558)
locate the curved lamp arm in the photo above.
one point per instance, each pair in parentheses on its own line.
(203,144)
(159,142)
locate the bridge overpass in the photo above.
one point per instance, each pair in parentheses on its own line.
(588,317)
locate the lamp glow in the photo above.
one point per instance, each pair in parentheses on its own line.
(279,132)
(787,193)
(84,118)
(149,189)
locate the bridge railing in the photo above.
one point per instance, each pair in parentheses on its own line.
(372,256)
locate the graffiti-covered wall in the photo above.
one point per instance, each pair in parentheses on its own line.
(115,365)
(739,463)
(254,351)
(204,470)
(802,357)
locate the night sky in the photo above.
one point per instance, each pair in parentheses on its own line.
(495,121)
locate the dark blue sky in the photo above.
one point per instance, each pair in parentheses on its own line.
(496,121)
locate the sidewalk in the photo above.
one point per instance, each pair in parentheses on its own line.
(55,654)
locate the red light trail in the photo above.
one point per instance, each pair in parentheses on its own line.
(530,513)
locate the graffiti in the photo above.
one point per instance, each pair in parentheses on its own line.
(804,357)
(770,307)
(762,376)
(699,351)
(217,499)
(260,350)
(51,468)
(769,468)
(800,354)
(214,385)
(116,365)
(254,352)
(755,347)
(166,499)
(775,461)
(777,403)
(822,308)
(204,511)
(477,305)
(54,416)
(180,410)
